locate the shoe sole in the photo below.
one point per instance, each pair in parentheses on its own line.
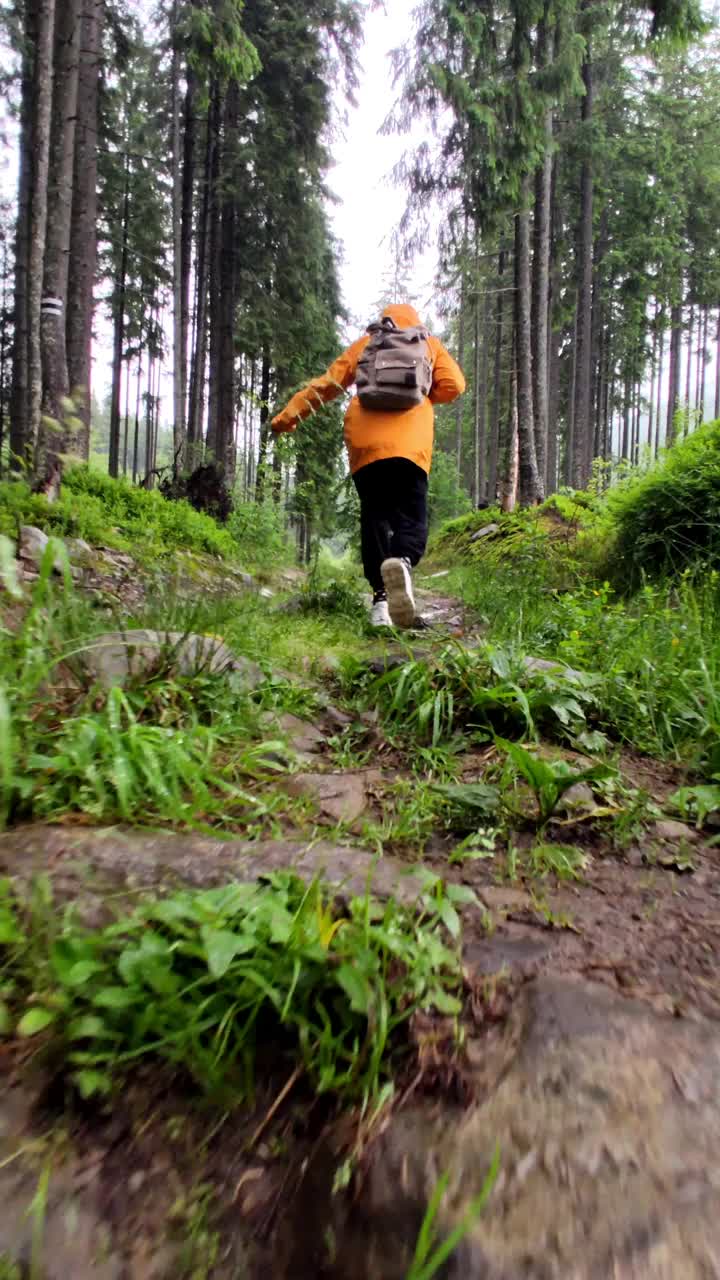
(400,603)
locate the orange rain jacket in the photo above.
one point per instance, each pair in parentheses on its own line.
(371,434)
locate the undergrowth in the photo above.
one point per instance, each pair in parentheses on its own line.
(652,661)
(667,518)
(115,513)
(225,983)
(185,749)
(478,692)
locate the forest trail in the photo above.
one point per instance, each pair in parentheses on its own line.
(590,1057)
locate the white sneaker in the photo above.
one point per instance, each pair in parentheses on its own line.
(400,598)
(380,614)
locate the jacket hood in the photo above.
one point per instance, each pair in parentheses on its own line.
(404,316)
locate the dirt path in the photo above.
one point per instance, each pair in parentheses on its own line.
(591,1059)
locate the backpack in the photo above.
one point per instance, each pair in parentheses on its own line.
(395,369)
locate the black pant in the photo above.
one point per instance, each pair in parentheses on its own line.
(393,514)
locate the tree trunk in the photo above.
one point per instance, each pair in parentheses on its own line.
(42,109)
(700,376)
(661,357)
(119,332)
(554,338)
(199,356)
(541,273)
(531,487)
(264,426)
(214,312)
(225,423)
(136,430)
(186,237)
(481,372)
(56,437)
(596,342)
(127,417)
(551,471)
(178,399)
(688,371)
(654,389)
(20,434)
(636,422)
(674,372)
(461,361)
(599,344)
(717,368)
(626,440)
(512,464)
(494,442)
(570,424)
(583,355)
(4,348)
(83,230)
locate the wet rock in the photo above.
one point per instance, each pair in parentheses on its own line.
(85,865)
(497,953)
(487,530)
(31,547)
(115,657)
(390,661)
(668,829)
(74,1240)
(302,736)
(340,797)
(607,1119)
(289,577)
(577,797)
(558,668)
(32,543)
(336,718)
(79,549)
(499,898)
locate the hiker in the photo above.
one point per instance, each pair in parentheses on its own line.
(400,372)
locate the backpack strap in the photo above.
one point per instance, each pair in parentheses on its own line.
(386,325)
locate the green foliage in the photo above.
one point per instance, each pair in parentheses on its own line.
(108,763)
(565,861)
(115,513)
(537,545)
(206,980)
(258,531)
(653,658)
(479,691)
(334,596)
(179,748)
(656,656)
(446,496)
(697,803)
(549,779)
(668,518)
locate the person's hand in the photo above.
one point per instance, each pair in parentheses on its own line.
(282,423)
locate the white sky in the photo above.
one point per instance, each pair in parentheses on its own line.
(370,206)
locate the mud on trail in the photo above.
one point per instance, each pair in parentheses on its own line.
(589,1056)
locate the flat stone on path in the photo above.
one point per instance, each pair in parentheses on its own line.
(87,862)
(340,797)
(115,657)
(607,1119)
(303,736)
